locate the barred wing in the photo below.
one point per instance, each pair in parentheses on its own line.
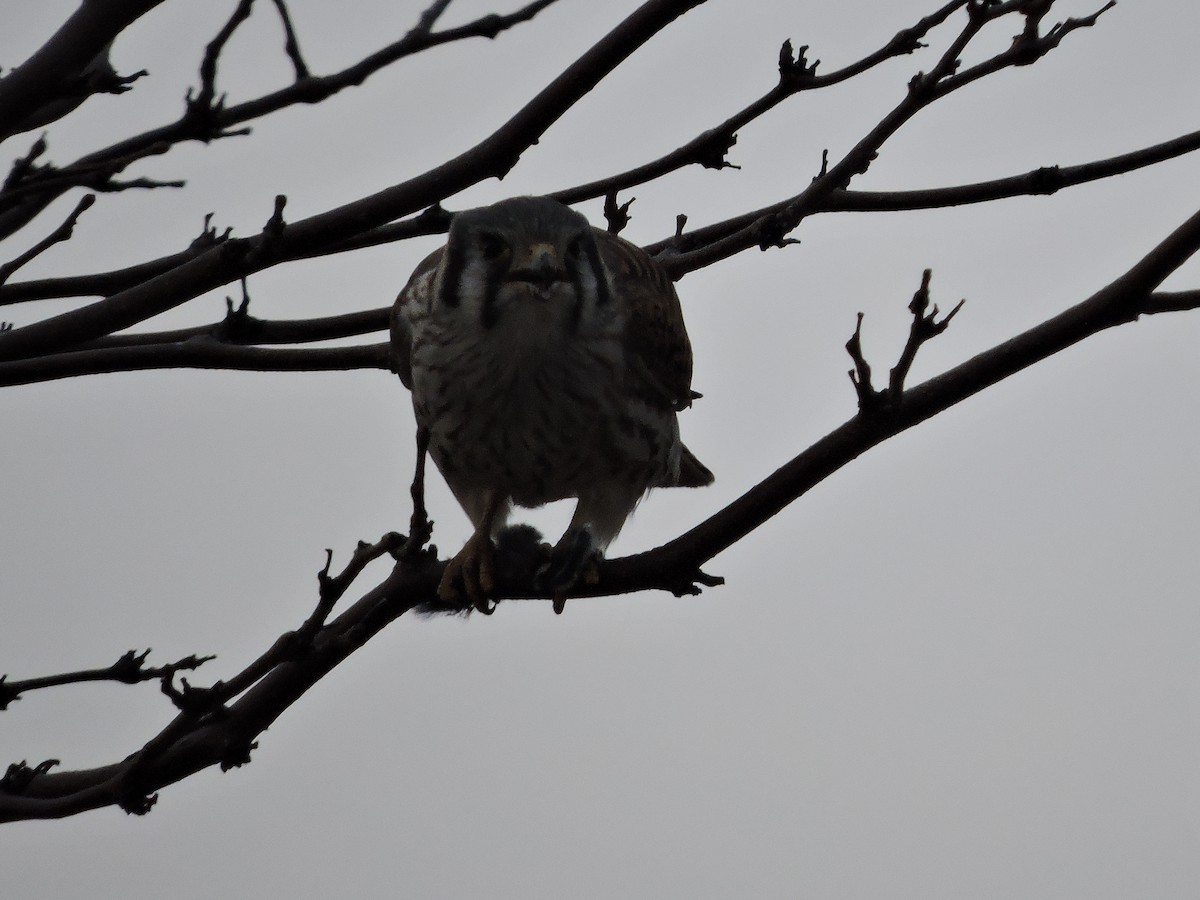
(655,337)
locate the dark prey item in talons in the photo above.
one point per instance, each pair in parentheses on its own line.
(520,554)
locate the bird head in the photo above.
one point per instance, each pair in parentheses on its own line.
(527,262)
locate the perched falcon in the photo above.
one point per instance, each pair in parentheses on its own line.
(547,359)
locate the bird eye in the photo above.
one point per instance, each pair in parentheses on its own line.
(575,248)
(493,246)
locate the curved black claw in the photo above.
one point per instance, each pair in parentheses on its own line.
(469,576)
(569,560)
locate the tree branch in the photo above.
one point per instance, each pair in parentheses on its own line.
(206,117)
(431,221)
(1044,180)
(1171,301)
(1121,301)
(237,258)
(54,71)
(130,668)
(195,353)
(30,189)
(240,328)
(62,233)
(796,75)
(291,44)
(771,229)
(218,725)
(435,220)
(215,728)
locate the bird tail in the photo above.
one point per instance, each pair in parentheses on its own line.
(692,472)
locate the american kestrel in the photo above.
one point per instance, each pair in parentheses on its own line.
(547,359)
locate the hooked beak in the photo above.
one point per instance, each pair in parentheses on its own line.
(537,265)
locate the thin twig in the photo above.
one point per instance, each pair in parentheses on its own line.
(925,326)
(616,215)
(130,668)
(62,233)
(291,44)
(860,375)
(430,16)
(203,105)
(1171,301)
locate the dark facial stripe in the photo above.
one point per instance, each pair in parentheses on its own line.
(590,259)
(592,252)
(452,269)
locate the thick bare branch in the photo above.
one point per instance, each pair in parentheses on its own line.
(54,72)
(240,328)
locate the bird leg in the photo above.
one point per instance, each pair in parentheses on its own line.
(575,558)
(419,527)
(471,574)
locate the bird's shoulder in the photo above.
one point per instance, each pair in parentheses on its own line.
(414,295)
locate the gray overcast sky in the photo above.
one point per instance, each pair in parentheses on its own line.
(965,666)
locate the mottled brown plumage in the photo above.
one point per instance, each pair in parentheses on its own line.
(547,359)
